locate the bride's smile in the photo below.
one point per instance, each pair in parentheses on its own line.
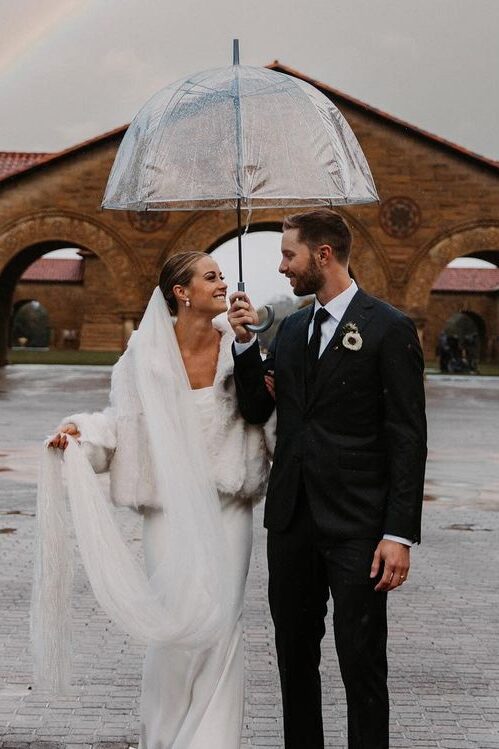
(206,293)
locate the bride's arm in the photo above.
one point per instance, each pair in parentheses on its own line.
(96,432)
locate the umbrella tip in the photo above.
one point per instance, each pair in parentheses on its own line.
(235,51)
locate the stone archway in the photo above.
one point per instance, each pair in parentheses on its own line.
(438,253)
(206,230)
(22,241)
(80,230)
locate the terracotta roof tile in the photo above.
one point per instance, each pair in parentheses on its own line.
(12,162)
(47,158)
(55,270)
(468,279)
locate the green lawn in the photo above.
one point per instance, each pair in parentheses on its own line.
(63,357)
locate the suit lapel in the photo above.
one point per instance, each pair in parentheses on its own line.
(359,311)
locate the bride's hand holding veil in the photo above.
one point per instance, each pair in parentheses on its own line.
(60,440)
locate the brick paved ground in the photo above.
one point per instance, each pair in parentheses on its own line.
(444,634)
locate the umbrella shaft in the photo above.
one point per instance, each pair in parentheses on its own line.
(237,104)
(240,245)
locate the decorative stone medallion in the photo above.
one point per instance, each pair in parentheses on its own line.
(399,217)
(147,221)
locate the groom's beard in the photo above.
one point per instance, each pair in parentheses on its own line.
(310,281)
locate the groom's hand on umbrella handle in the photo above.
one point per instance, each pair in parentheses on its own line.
(394,559)
(241,313)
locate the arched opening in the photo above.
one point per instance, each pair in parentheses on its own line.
(9,278)
(114,278)
(210,229)
(34,274)
(30,325)
(264,283)
(461,343)
(55,280)
(47,280)
(261,258)
(457,272)
(463,312)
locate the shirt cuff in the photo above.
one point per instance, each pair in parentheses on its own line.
(398,539)
(239,348)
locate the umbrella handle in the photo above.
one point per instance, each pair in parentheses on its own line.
(265,325)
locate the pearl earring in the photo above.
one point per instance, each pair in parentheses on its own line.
(187,303)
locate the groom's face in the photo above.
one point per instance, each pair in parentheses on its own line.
(300,264)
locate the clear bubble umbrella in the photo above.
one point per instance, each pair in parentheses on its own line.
(238,138)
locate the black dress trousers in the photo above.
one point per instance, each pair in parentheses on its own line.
(303,569)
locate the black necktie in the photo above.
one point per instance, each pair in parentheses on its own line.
(314,344)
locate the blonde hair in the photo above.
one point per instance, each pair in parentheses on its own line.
(178,270)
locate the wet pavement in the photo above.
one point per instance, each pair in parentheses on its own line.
(444,623)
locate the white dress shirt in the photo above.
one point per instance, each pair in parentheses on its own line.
(336,307)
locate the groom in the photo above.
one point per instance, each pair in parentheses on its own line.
(345,493)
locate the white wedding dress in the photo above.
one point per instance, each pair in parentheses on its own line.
(195,700)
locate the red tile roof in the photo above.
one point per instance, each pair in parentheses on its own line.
(47,158)
(53,270)
(12,162)
(481,280)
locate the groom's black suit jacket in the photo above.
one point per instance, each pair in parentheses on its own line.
(356,439)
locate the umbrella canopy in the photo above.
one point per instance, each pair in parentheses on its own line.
(238,136)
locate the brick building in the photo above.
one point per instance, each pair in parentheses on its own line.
(472,293)
(438,202)
(56,285)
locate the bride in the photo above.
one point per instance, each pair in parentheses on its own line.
(179,452)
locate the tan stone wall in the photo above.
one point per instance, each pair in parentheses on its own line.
(454,196)
(101,319)
(457,199)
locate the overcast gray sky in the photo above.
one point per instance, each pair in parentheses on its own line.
(72,69)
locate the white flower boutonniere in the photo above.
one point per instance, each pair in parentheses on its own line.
(351,337)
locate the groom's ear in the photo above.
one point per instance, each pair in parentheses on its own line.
(324,254)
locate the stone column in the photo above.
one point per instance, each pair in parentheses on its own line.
(494,354)
(6,294)
(130,321)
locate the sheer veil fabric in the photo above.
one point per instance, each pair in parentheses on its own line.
(183,604)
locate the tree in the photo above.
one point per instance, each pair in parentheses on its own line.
(31,321)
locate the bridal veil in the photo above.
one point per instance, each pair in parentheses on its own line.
(183,604)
